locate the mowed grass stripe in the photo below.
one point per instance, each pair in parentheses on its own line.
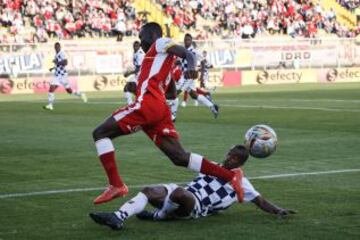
(59,191)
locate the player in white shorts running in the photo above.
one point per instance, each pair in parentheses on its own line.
(60,78)
(130,86)
(201,197)
(188,85)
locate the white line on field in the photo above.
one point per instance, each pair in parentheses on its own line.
(297,100)
(51,192)
(121,103)
(294,108)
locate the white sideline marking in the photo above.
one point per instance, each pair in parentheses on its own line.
(51,192)
(289,107)
(121,103)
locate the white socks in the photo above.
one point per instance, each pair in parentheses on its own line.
(133,206)
(173,104)
(51,98)
(195,162)
(76,93)
(203,100)
(128,96)
(103,146)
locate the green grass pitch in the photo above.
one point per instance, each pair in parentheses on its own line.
(318,127)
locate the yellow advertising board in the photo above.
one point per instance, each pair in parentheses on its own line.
(279,76)
(339,75)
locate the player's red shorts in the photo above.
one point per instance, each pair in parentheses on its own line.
(151,115)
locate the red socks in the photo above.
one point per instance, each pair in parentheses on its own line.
(109,164)
(212,169)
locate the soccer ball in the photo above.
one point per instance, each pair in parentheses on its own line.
(262,141)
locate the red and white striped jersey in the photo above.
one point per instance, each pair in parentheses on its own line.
(155,70)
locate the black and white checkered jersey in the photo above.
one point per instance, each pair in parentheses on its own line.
(214,194)
(138,58)
(60,69)
(184,63)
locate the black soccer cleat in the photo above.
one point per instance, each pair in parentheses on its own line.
(146,215)
(215,110)
(107,219)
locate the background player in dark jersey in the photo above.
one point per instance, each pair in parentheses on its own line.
(201,197)
(130,86)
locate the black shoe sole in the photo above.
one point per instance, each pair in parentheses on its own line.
(103,221)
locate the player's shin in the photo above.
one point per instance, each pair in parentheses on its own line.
(132,207)
(105,150)
(200,164)
(51,98)
(203,100)
(173,107)
(128,96)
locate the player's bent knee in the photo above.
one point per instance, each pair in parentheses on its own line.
(178,195)
(97,133)
(147,191)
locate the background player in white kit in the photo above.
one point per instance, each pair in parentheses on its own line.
(130,86)
(201,197)
(60,78)
(189,84)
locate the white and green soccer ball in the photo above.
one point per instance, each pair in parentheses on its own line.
(262,141)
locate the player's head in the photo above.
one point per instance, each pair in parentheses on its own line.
(204,53)
(149,33)
(136,46)
(236,157)
(188,40)
(57,46)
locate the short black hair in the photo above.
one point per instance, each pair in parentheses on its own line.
(188,35)
(136,42)
(241,151)
(153,27)
(57,43)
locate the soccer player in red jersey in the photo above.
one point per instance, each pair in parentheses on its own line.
(151,114)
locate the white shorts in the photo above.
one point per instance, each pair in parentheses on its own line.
(132,78)
(61,80)
(185,85)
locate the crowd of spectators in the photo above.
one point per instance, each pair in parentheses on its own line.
(66,19)
(38,20)
(248,18)
(350,5)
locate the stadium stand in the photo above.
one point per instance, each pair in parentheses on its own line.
(248,19)
(40,20)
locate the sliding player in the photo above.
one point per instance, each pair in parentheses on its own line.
(201,197)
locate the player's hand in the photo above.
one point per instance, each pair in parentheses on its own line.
(126,74)
(191,74)
(54,61)
(283,213)
(50,69)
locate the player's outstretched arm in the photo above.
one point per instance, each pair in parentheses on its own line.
(269,207)
(182,52)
